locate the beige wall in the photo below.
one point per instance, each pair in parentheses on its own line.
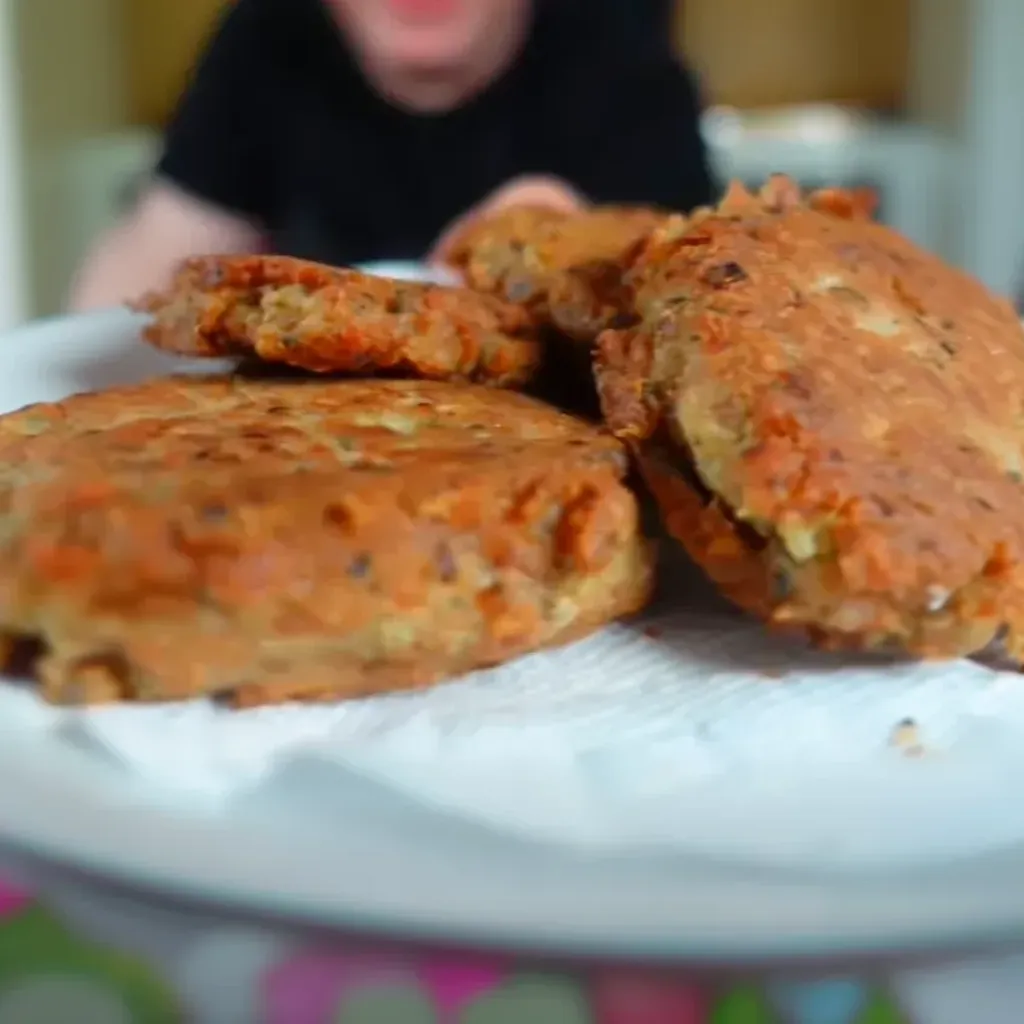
(72,87)
(162,38)
(749,52)
(753,53)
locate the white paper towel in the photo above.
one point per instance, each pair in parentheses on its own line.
(690,730)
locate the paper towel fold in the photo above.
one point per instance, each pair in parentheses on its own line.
(689,729)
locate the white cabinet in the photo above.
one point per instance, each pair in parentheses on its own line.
(911,167)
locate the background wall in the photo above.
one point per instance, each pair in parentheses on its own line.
(161,38)
(754,54)
(751,53)
(71,83)
(14,305)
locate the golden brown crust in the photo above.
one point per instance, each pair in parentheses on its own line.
(566,268)
(323,319)
(266,541)
(833,421)
(489,248)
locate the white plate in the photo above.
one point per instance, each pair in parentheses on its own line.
(404,871)
(409,270)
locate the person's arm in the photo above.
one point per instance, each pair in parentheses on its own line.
(624,135)
(141,252)
(528,190)
(214,186)
(630,133)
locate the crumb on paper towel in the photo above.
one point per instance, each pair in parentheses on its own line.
(906,738)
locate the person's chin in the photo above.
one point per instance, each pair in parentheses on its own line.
(427,54)
(425,86)
(420,99)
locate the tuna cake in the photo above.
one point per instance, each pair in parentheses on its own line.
(322,319)
(566,270)
(262,541)
(832,421)
(565,267)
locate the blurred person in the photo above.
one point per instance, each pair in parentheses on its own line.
(346,131)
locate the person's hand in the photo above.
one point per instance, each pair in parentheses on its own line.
(530,190)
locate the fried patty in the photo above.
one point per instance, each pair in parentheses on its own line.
(566,268)
(265,541)
(323,319)
(832,420)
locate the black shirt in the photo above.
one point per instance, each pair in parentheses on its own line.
(278,124)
